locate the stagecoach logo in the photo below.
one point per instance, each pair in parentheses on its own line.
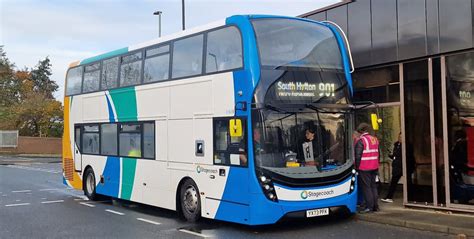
(304,194)
(200,169)
(314,195)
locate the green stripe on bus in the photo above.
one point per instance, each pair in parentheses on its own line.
(128,177)
(125,103)
(105,55)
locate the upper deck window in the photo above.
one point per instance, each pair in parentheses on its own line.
(157,64)
(91,78)
(109,73)
(224,50)
(187,56)
(130,70)
(295,43)
(74,81)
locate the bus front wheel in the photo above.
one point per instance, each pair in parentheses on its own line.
(89,184)
(190,201)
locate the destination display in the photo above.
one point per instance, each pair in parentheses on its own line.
(305,89)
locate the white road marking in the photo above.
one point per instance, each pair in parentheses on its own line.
(87,204)
(115,212)
(34,169)
(57,201)
(21,191)
(193,233)
(50,189)
(149,221)
(18,204)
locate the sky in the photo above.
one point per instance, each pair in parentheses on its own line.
(71,30)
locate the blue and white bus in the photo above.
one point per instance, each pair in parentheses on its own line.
(217,121)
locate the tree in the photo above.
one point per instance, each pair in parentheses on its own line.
(26,99)
(40,77)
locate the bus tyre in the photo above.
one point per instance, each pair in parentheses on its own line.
(89,184)
(190,201)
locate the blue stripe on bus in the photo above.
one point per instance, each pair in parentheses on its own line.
(105,55)
(111,175)
(111,110)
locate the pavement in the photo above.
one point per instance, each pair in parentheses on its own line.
(396,214)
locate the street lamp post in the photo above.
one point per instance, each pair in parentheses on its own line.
(159,21)
(182,8)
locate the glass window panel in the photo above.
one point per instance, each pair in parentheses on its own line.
(187,57)
(109,139)
(132,57)
(130,145)
(378,85)
(90,143)
(149,140)
(130,73)
(91,128)
(74,81)
(130,127)
(91,81)
(224,50)
(77,137)
(156,68)
(158,50)
(93,67)
(110,73)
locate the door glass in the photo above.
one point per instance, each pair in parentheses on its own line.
(417,130)
(387,136)
(460,94)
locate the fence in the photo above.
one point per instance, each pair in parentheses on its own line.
(8,139)
(35,145)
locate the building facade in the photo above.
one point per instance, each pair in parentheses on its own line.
(415,59)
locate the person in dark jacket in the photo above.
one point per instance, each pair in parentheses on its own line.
(367,165)
(396,157)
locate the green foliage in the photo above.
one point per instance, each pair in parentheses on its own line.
(26,99)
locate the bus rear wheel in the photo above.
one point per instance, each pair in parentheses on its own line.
(89,184)
(190,201)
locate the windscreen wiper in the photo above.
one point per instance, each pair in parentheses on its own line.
(322,108)
(274,108)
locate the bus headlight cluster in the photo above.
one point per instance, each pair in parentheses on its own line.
(267,187)
(353,180)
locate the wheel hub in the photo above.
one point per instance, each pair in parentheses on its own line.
(190,199)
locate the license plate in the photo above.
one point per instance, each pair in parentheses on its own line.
(317,212)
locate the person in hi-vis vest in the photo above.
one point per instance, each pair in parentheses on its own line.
(367,165)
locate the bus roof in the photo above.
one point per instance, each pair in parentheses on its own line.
(166,38)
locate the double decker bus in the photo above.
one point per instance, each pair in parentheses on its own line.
(246,120)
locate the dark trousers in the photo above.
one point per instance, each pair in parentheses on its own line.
(393,185)
(369,189)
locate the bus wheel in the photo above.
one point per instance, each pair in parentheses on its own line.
(89,184)
(190,201)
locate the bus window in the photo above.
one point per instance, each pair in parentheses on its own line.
(187,56)
(130,70)
(109,73)
(90,139)
(157,64)
(91,78)
(224,50)
(108,137)
(229,150)
(130,140)
(149,140)
(74,81)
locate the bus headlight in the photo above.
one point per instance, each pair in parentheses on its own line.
(267,187)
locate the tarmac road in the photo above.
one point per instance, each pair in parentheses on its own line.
(35,204)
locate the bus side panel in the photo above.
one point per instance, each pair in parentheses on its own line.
(70,176)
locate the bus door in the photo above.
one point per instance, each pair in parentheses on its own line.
(77,149)
(230,200)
